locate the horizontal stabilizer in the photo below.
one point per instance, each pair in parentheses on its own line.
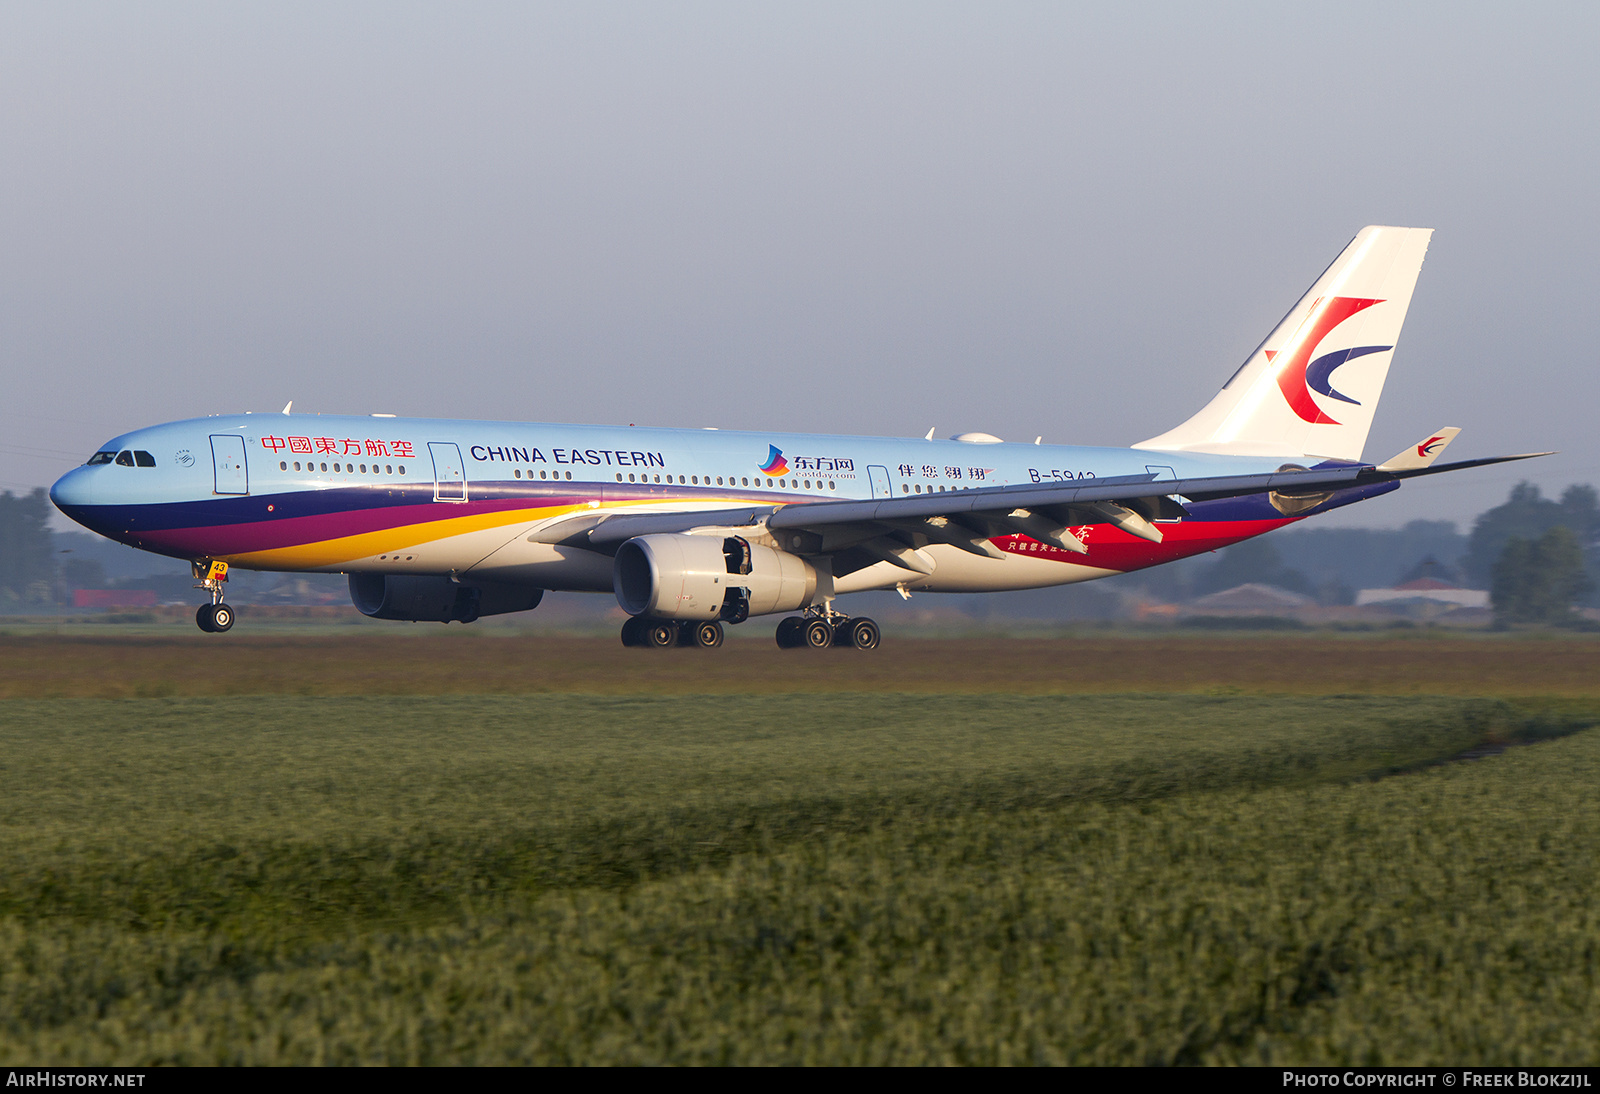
(1423,453)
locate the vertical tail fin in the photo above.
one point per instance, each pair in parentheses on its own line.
(1311,388)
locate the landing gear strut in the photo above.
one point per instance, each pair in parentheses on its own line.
(823,627)
(215,617)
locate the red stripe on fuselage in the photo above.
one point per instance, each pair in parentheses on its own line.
(1111,548)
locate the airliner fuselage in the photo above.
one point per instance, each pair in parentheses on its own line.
(690,529)
(409,496)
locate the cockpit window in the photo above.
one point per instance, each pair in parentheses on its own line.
(143,459)
(101,457)
(124,458)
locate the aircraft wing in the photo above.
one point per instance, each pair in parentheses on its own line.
(893,529)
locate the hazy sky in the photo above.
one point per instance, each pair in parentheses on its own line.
(859,218)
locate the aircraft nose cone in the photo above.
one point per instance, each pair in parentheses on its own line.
(70,489)
(75,495)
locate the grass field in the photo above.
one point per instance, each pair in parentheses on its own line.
(441,661)
(1288,851)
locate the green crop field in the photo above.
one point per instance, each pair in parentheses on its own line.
(949,873)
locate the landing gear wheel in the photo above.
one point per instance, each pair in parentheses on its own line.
(214,618)
(789,633)
(661,634)
(862,633)
(708,636)
(633,631)
(818,634)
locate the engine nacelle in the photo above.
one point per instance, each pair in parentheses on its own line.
(437,599)
(681,576)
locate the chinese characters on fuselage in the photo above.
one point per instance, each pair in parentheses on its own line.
(340,446)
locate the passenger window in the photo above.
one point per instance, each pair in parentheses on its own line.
(569,474)
(143,459)
(388,469)
(516,472)
(100,458)
(283,465)
(363,469)
(124,458)
(324,467)
(541,474)
(831,486)
(297,465)
(619,476)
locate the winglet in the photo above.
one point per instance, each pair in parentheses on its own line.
(1422,453)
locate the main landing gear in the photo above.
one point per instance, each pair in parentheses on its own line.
(661,633)
(215,617)
(827,628)
(819,629)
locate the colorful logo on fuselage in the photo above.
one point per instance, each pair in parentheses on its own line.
(1299,375)
(776,464)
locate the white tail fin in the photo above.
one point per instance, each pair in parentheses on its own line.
(1283,400)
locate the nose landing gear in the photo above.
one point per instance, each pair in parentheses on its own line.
(215,617)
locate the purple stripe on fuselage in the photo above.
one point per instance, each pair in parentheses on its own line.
(241,525)
(227,526)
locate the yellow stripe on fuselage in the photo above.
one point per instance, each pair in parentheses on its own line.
(345,549)
(333,553)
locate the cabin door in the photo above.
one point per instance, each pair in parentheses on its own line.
(227,459)
(449,475)
(880,481)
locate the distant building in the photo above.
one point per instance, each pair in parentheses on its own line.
(1429,589)
(1432,567)
(1251,599)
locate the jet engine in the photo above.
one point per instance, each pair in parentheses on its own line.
(437,599)
(701,577)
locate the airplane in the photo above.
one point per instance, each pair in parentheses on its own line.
(691,529)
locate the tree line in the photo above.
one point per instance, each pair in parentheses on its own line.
(1538,557)
(27,556)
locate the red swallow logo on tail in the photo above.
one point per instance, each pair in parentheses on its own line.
(1299,375)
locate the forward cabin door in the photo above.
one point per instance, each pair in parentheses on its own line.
(227,459)
(880,481)
(449,474)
